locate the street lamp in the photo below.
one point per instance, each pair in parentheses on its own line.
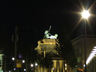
(31,65)
(36,64)
(85,14)
(24,70)
(13,58)
(23,61)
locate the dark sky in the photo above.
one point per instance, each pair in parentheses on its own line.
(33,18)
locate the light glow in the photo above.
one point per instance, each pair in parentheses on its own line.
(24,69)
(36,64)
(65,66)
(9,71)
(94,47)
(13,58)
(31,65)
(92,55)
(85,14)
(14,69)
(84,65)
(23,61)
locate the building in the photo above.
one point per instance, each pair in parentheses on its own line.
(79,47)
(1,61)
(48,46)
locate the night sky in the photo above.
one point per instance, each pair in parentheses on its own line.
(33,18)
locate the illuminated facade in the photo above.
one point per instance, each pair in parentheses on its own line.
(47,46)
(1,62)
(58,66)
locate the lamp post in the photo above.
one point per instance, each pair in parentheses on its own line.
(85,15)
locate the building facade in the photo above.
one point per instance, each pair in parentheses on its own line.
(48,46)
(80,50)
(1,62)
(58,66)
